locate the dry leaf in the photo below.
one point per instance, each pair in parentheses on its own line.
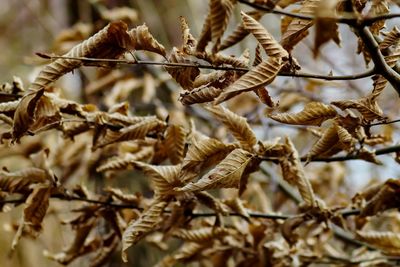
(227,174)
(137,229)
(237,125)
(263,74)
(271,47)
(314,113)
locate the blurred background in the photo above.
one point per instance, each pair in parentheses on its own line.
(29,26)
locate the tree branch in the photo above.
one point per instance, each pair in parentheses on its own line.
(350,20)
(356,76)
(381,66)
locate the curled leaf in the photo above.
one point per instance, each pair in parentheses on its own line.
(265,39)
(137,229)
(237,125)
(263,74)
(110,42)
(142,39)
(227,174)
(314,113)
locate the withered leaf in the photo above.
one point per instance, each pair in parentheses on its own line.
(314,113)
(25,114)
(266,40)
(293,173)
(240,32)
(142,39)
(261,75)
(385,197)
(164,177)
(326,28)
(237,125)
(137,229)
(110,42)
(297,28)
(227,174)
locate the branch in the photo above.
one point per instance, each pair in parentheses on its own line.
(356,76)
(383,151)
(350,20)
(381,66)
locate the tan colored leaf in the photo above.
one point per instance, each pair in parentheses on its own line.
(20,181)
(142,39)
(123,162)
(189,42)
(325,145)
(220,12)
(297,29)
(387,241)
(164,177)
(110,42)
(237,125)
(175,139)
(200,95)
(124,197)
(36,206)
(293,173)
(267,41)
(137,229)
(9,106)
(185,76)
(205,35)
(202,154)
(264,97)
(261,75)
(136,131)
(378,7)
(391,38)
(383,197)
(380,82)
(201,235)
(239,33)
(314,113)
(326,28)
(367,106)
(24,114)
(227,174)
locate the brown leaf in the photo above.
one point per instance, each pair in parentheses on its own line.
(141,39)
(314,113)
(266,40)
(137,229)
(110,42)
(227,174)
(293,173)
(326,28)
(237,125)
(240,32)
(384,197)
(263,74)
(200,95)
(25,114)
(297,29)
(175,139)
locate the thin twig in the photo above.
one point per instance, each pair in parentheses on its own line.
(348,19)
(356,76)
